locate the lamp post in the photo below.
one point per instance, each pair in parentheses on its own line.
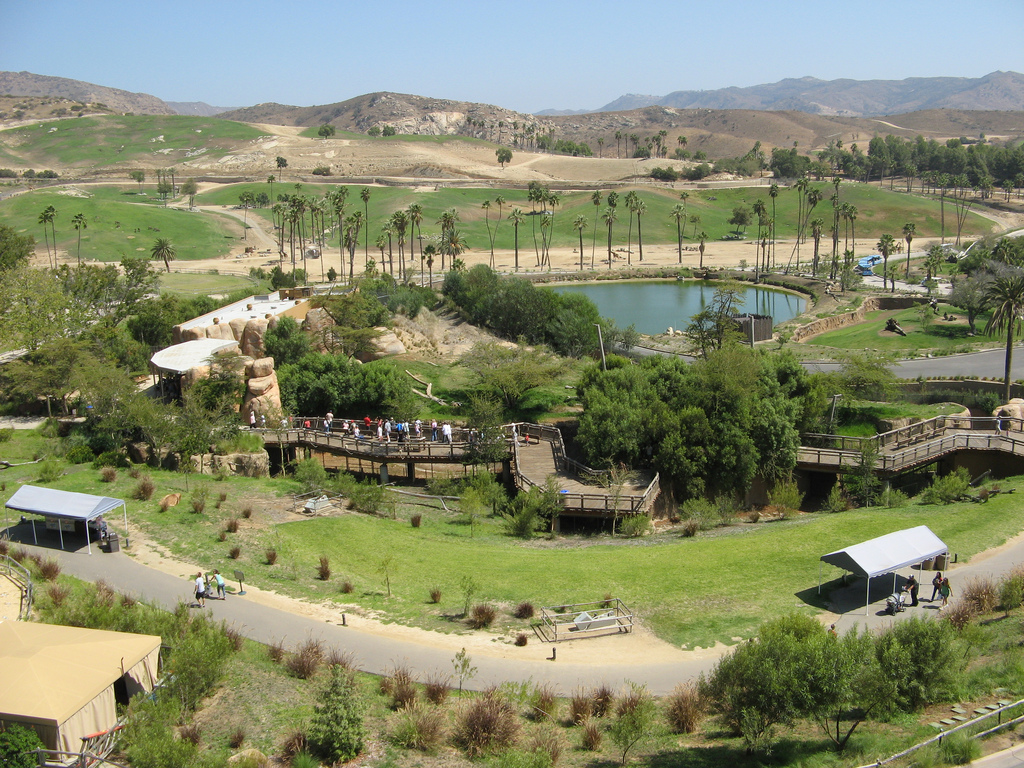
(600,339)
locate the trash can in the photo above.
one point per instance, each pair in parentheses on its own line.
(926,565)
(941,561)
(113,543)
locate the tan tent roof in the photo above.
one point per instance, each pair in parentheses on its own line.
(49,672)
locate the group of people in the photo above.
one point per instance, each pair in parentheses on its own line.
(205,585)
(386,430)
(940,587)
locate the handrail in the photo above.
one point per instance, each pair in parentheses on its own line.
(22,579)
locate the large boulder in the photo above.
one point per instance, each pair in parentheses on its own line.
(384,345)
(263,366)
(252,335)
(220,331)
(1014,411)
(241,464)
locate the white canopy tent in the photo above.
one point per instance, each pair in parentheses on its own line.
(886,554)
(63,505)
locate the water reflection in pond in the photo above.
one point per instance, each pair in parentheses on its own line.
(654,305)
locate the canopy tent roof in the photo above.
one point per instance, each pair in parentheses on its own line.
(888,553)
(54,503)
(49,672)
(183,357)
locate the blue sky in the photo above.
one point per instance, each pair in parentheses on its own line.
(522,55)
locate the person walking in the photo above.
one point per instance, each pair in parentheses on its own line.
(252,419)
(220,584)
(945,590)
(200,590)
(912,587)
(936,583)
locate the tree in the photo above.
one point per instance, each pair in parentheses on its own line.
(1006,295)
(710,328)
(364,195)
(909,229)
(139,177)
(580,224)
(640,209)
(510,372)
(608,217)
(679,214)
(325,131)
(282,163)
(740,218)
(337,731)
(516,216)
(703,237)
(16,745)
(286,342)
(79,223)
(634,720)
(595,198)
(773,192)
(162,250)
(15,249)
(504,155)
(971,294)
(865,376)
(886,246)
(46,218)
(190,188)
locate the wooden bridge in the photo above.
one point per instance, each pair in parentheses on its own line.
(912,446)
(535,454)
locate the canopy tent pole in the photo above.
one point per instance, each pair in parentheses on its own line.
(819,577)
(60,532)
(125,508)
(894,582)
(88,538)
(35,539)
(867,596)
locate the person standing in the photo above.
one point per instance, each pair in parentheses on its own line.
(220,584)
(446,431)
(252,419)
(912,587)
(945,590)
(936,584)
(327,422)
(200,590)
(433,430)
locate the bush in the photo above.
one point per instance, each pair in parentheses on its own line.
(367,497)
(416,520)
(236,738)
(603,700)
(80,454)
(58,593)
(634,526)
(592,736)
(108,475)
(338,658)
(15,742)
(144,489)
(247,512)
(684,708)
(581,707)
(544,703)
(948,488)
(981,592)
(437,688)
(296,743)
(310,474)
(50,470)
(114,459)
(836,501)
(524,610)
(959,749)
(347,588)
(522,639)
(1011,592)
(198,500)
(276,651)
(703,511)
(435,595)
(336,731)
(924,659)
(690,527)
(891,498)
(235,552)
(306,660)
(192,733)
(959,614)
(323,571)
(231,525)
(488,723)
(482,616)
(271,556)
(420,728)
(786,497)
(49,569)
(322,170)
(400,686)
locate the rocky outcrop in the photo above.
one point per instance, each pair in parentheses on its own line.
(1013,411)
(870,304)
(242,464)
(262,393)
(384,345)
(252,333)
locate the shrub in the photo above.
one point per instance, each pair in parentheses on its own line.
(5,546)
(58,593)
(144,489)
(948,488)
(18,555)
(960,614)
(306,660)
(271,556)
(222,536)
(346,587)
(15,743)
(51,470)
(981,592)
(959,749)
(685,708)
(296,743)
(336,657)
(891,498)
(231,633)
(592,736)
(420,728)
(690,527)
(786,497)
(231,525)
(581,706)
(49,569)
(634,526)
(524,610)
(108,475)
(437,688)
(7,433)
(134,473)
(80,454)
(1011,592)
(111,459)
(924,659)
(482,616)
(703,511)
(836,501)
(435,595)
(199,495)
(522,639)
(336,731)
(236,738)
(488,723)
(247,512)
(310,474)
(304,760)
(276,651)
(191,732)
(235,552)
(603,699)
(634,720)
(128,601)
(400,686)
(323,571)
(546,743)
(416,520)
(367,497)
(544,703)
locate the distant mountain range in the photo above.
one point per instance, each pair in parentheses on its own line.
(841,98)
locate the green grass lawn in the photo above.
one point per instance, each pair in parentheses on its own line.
(120,223)
(206,285)
(937,335)
(122,139)
(690,591)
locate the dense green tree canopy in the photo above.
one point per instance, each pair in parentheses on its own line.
(319,383)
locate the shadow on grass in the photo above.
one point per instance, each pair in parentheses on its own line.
(784,752)
(810,596)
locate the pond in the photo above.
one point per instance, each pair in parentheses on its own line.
(654,305)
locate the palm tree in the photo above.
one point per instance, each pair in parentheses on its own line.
(1007,296)
(609,217)
(163,250)
(499,201)
(352,226)
(447,221)
(270,181)
(580,224)
(415,212)
(909,230)
(45,218)
(618,140)
(679,214)
(453,245)
(595,198)
(816,229)
(400,222)
(427,254)
(773,192)
(886,246)
(486,205)
(365,197)
(703,236)
(516,216)
(79,223)
(631,201)
(641,209)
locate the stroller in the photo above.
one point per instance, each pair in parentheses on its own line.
(896,603)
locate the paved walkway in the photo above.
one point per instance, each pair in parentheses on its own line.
(377,652)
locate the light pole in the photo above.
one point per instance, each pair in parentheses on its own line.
(600,339)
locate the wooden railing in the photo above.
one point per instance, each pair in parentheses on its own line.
(22,579)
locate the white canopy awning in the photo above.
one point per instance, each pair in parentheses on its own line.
(50,502)
(888,553)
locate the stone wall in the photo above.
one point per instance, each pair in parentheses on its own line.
(858,315)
